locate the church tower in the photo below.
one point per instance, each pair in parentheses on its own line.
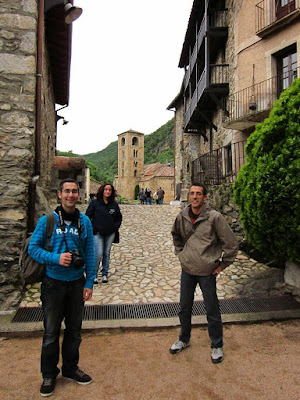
(130,162)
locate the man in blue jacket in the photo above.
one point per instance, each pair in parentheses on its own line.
(68,283)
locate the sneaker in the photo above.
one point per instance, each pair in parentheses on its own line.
(179,346)
(104,279)
(47,387)
(79,377)
(96,281)
(217,355)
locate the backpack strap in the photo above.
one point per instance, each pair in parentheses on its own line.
(50,228)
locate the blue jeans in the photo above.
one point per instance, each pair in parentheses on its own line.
(148,201)
(102,245)
(211,302)
(61,300)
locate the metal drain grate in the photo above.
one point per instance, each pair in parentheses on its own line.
(167,310)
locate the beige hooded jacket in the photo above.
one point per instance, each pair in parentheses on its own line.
(199,246)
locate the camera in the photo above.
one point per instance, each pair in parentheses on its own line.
(76,261)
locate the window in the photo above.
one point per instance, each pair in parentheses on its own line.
(123,142)
(286,68)
(135,173)
(135,141)
(284,7)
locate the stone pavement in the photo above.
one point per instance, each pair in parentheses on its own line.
(144,269)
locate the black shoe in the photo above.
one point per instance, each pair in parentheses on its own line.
(79,377)
(47,387)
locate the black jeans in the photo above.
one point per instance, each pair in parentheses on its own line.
(61,300)
(211,302)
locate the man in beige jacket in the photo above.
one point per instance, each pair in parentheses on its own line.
(205,245)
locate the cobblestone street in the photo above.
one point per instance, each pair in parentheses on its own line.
(144,269)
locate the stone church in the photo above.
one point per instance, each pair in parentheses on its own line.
(133,172)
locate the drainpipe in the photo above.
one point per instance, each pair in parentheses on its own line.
(38,126)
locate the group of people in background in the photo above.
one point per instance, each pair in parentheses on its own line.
(145,196)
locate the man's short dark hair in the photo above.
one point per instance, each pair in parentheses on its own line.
(201,185)
(67,180)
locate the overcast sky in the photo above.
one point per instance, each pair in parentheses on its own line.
(124,70)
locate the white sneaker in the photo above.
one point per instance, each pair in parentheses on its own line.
(217,355)
(179,346)
(104,279)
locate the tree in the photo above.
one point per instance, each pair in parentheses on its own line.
(267,189)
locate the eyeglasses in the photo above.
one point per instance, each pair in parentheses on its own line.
(68,191)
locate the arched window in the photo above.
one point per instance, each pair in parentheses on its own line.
(135,141)
(135,164)
(123,142)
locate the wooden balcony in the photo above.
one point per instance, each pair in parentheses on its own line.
(217,26)
(214,81)
(271,15)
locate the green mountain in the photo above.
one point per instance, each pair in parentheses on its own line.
(104,163)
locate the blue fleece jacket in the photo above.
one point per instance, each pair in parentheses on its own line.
(83,243)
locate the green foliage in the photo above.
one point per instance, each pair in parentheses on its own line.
(106,161)
(159,144)
(267,189)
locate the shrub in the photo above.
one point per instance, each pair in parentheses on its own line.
(267,189)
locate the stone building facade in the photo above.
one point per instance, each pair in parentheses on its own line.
(34,77)
(237,56)
(157,176)
(132,172)
(130,162)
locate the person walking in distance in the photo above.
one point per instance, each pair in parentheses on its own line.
(205,246)
(160,195)
(68,283)
(106,218)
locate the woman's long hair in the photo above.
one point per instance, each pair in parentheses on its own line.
(101,191)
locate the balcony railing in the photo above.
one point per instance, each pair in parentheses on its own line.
(259,98)
(220,165)
(218,76)
(268,12)
(217,19)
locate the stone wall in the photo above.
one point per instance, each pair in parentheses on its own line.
(18,51)
(18,24)
(221,198)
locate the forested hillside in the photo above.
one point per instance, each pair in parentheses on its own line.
(104,163)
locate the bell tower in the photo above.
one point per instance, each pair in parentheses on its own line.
(130,162)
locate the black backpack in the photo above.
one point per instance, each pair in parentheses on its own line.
(31,270)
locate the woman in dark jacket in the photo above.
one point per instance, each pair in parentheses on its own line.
(106,219)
